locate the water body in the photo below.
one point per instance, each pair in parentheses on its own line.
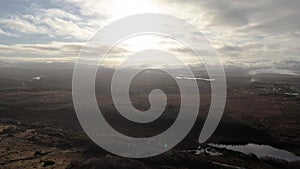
(206,150)
(38,78)
(194,78)
(261,151)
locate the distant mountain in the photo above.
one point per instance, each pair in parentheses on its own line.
(44,65)
(2,64)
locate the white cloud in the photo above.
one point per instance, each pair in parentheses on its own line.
(52,22)
(244,33)
(56,49)
(2,32)
(18,24)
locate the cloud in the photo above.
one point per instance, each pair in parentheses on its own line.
(272,70)
(269,16)
(2,32)
(256,33)
(57,49)
(53,51)
(18,24)
(53,22)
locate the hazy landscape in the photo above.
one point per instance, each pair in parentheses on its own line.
(39,127)
(81,80)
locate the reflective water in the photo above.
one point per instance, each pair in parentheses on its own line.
(261,151)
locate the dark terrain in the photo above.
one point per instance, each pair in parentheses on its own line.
(39,127)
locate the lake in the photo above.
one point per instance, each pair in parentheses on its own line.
(260,151)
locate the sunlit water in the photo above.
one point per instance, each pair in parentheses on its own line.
(261,151)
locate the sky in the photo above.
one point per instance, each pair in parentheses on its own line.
(262,35)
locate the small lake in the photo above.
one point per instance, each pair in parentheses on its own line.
(260,151)
(194,78)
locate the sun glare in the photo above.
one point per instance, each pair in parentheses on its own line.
(121,8)
(144,42)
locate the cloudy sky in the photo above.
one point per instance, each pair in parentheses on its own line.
(259,34)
